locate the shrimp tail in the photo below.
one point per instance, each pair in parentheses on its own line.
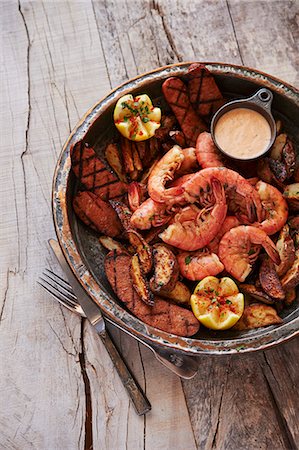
(271,250)
(258,210)
(218,191)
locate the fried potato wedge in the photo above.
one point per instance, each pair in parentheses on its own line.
(294,223)
(279,143)
(289,157)
(126,148)
(264,171)
(291,194)
(166,269)
(136,158)
(123,213)
(290,296)
(143,250)
(180,294)
(257,315)
(168,123)
(139,281)
(111,244)
(286,249)
(278,124)
(279,170)
(115,162)
(256,293)
(270,280)
(291,279)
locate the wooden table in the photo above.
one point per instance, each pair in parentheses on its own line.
(58,385)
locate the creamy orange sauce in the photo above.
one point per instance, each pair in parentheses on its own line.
(242,133)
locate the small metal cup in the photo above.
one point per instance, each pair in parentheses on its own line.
(261,102)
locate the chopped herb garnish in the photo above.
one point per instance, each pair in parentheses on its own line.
(145,119)
(188,260)
(228,302)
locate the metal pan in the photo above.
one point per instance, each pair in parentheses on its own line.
(80,244)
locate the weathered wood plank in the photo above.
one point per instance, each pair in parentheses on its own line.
(280,368)
(267,33)
(230,406)
(43,400)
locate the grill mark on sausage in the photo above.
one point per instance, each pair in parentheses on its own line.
(176,95)
(93,174)
(198,91)
(107,193)
(204,93)
(164,315)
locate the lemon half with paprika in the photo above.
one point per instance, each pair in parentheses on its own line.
(217,304)
(136,118)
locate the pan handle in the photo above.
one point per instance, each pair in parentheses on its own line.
(184,366)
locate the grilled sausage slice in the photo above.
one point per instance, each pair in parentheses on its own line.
(97,214)
(176,95)
(163,315)
(204,93)
(93,174)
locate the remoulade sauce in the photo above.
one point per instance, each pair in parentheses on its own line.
(243,133)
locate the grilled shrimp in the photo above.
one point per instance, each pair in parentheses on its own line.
(149,214)
(193,228)
(136,194)
(229,223)
(240,247)
(189,163)
(275,208)
(206,152)
(198,265)
(164,171)
(243,199)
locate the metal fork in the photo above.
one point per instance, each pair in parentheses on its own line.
(183,366)
(62,291)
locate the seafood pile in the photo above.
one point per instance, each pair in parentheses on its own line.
(171,211)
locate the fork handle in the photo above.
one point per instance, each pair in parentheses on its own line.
(138,398)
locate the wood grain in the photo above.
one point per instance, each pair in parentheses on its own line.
(58,386)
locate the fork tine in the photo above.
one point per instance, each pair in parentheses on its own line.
(60,282)
(59,290)
(58,287)
(56,294)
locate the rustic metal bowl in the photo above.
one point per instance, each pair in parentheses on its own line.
(80,244)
